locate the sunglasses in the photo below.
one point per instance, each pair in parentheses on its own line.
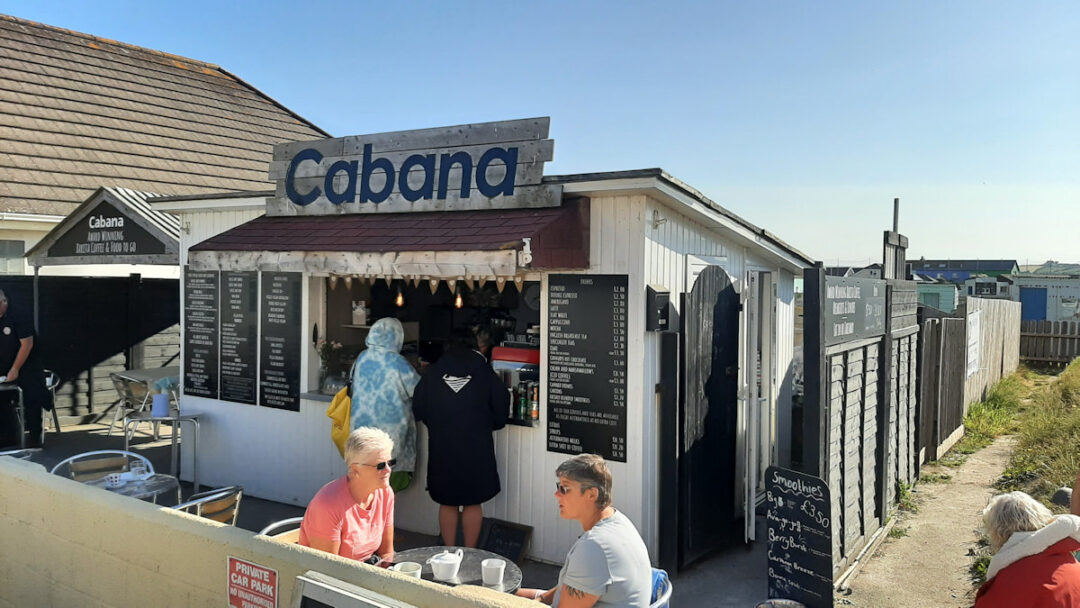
(379,466)
(563,490)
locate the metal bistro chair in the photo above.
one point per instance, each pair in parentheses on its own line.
(52,380)
(286,530)
(20,454)
(20,409)
(662,589)
(133,398)
(222,504)
(90,466)
(175,419)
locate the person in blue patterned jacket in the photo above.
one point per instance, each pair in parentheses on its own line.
(382,388)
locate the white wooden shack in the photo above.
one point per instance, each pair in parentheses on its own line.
(644,225)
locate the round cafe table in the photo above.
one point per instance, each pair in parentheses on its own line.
(151,487)
(469,573)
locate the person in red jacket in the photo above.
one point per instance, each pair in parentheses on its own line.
(1033,564)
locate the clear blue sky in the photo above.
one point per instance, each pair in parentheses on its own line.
(806,118)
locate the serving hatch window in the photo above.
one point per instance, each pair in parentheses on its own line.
(428,310)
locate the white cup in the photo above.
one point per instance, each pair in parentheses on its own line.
(409,569)
(113,480)
(492,571)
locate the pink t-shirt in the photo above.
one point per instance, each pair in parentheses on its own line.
(335,516)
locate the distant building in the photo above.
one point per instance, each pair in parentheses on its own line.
(1047,297)
(937,293)
(981,286)
(872,271)
(958,271)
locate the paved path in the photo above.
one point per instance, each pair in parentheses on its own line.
(929,567)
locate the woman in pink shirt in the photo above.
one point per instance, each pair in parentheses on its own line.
(353,516)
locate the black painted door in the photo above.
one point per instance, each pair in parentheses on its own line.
(707,415)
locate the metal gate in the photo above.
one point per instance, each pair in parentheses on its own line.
(707,415)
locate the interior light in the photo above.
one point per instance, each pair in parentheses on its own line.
(400,300)
(458,303)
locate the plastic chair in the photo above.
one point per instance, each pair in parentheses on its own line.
(286,530)
(661,589)
(52,380)
(222,504)
(90,466)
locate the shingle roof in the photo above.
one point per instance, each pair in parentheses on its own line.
(559,233)
(79,112)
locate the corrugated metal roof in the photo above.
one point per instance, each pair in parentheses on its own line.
(78,112)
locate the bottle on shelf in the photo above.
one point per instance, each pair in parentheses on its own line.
(534,402)
(523,401)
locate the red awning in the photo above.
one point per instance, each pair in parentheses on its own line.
(559,235)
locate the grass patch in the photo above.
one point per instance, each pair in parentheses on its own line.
(1047,454)
(898,532)
(934,478)
(980,561)
(993,417)
(906,499)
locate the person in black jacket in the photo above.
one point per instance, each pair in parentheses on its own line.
(462,401)
(19,365)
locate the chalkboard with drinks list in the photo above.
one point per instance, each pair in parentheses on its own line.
(239,299)
(799,538)
(279,346)
(586,363)
(201,333)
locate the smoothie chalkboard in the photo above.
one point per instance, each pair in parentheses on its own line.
(238,335)
(279,352)
(800,538)
(586,354)
(201,333)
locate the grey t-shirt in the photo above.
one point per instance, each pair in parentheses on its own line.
(610,560)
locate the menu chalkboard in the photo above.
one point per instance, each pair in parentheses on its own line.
(586,384)
(800,538)
(201,333)
(238,335)
(279,352)
(505,538)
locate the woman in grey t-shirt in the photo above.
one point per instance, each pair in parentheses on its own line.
(609,564)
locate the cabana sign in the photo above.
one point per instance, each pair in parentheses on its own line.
(496,165)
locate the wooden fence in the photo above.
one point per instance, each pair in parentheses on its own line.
(957,369)
(1055,342)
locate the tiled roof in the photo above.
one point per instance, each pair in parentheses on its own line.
(560,234)
(79,112)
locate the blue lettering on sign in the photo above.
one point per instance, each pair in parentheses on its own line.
(290,188)
(416,163)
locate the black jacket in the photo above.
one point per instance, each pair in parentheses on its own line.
(461,400)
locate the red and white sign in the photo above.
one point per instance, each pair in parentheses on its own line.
(251,585)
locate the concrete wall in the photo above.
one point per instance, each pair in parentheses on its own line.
(67,544)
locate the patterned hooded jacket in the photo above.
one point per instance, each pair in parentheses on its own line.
(382,389)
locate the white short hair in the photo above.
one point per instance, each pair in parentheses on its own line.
(365,441)
(1013,512)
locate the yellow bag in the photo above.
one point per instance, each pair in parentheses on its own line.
(340,413)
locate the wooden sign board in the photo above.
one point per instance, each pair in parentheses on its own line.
(799,537)
(506,538)
(853,309)
(495,165)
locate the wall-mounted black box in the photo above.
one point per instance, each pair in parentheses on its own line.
(657,298)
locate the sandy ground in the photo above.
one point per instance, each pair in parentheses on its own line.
(929,567)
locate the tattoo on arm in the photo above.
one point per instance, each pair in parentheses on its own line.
(575,593)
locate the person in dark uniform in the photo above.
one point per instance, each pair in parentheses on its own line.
(462,401)
(19,364)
